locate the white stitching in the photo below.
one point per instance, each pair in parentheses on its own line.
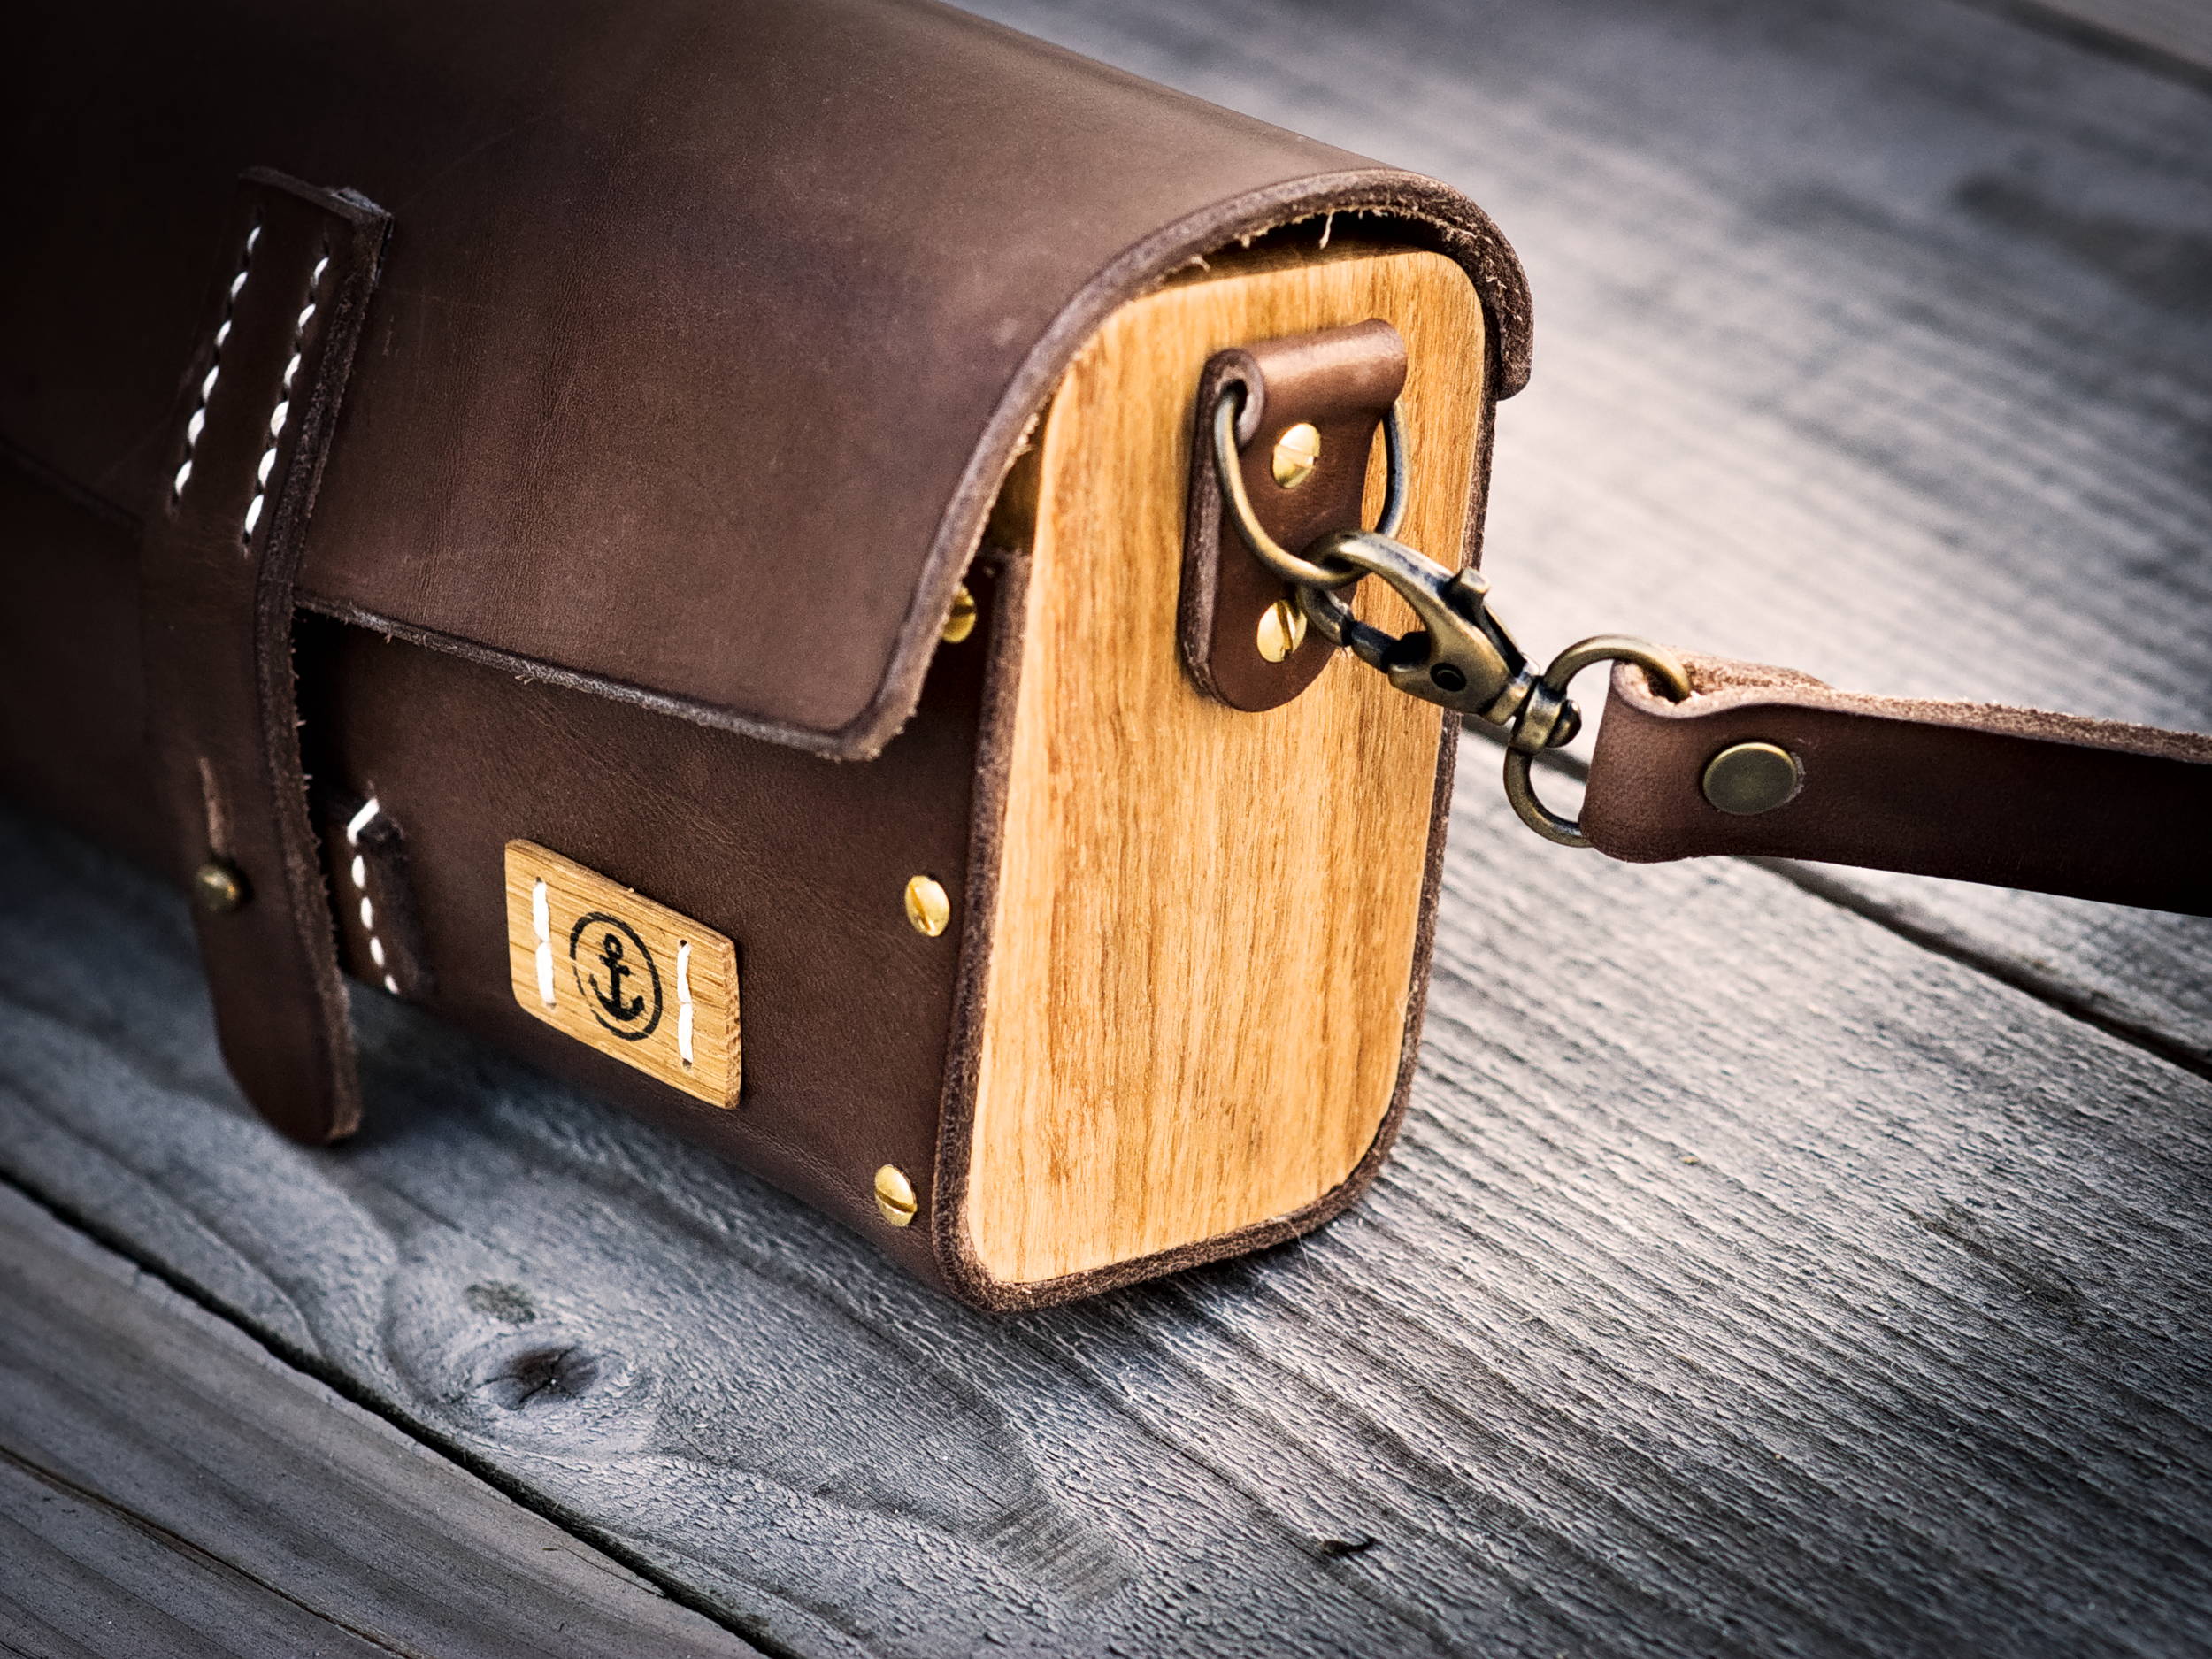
(360,871)
(198,422)
(683,1002)
(282,413)
(542,920)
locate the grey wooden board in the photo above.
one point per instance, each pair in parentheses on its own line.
(1910,1359)
(1868,340)
(167,1488)
(1875,339)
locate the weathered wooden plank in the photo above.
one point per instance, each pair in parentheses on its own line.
(1872,338)
(167,1488)
(80,1579)
(1749,1280)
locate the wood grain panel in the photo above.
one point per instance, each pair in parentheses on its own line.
(1205,919)
(666,998)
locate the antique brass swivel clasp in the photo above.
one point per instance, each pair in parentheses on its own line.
(1459,656)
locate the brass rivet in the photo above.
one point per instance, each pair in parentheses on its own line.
(960,620)
(1282,630)
(218,888)
(894,1196)
(1296,454)
(1747,778)
(926,906)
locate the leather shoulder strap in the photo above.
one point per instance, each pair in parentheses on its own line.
(222,552)
(1769,762)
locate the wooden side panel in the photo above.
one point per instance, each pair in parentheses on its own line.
(1206,919)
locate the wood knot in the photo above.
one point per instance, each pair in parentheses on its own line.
(539,1376)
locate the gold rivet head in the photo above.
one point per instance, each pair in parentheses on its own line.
(1282,630)
(1297,452)
(960,620)
(218,888)
(1749,778)
(926,906)
(894,1196)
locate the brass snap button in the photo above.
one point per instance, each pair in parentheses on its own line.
(894,1196)
(960,619)
(1282,630)
(927,906)
(1746,778)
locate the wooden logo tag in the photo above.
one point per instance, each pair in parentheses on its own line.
(622,974)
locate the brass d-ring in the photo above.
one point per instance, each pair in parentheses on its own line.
(1665,669)
(1271,553)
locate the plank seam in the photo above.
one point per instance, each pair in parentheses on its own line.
(2054,994)
(577,1526)
(2105,41)
(206,1558)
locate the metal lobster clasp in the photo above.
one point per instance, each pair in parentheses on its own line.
(1460,657)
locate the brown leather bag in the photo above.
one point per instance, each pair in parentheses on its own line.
(660,535)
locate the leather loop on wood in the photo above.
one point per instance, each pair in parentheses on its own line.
(1977,792)
(222,553)
(1341,381)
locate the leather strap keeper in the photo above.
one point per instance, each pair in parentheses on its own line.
(2013,797)
(222,552)
(1341,381)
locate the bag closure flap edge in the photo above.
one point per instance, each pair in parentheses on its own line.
(893,658)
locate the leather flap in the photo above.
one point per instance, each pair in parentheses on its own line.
(709,327)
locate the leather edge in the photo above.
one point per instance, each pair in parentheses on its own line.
(1721,684)
(712,716)
(302,1079)
(948,1264)
(1195,592)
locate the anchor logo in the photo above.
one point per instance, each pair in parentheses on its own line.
(610,999)
(609,958)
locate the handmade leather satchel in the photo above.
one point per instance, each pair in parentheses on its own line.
(804,565)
